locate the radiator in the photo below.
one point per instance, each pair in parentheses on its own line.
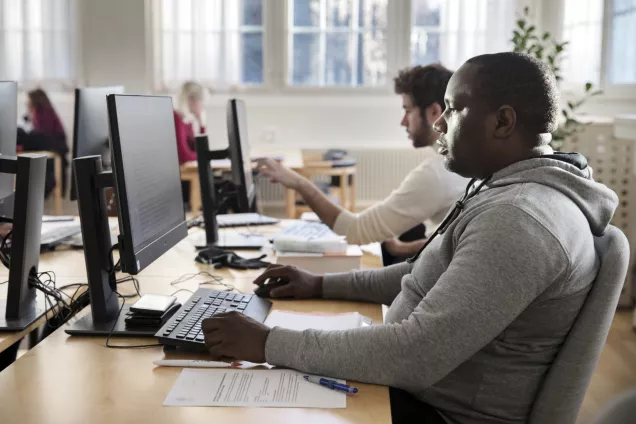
(379,171)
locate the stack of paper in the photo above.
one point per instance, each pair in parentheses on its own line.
(329,322)
(251,388)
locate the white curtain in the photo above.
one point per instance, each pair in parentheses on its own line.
(198,40)
(36,41)
(452,31)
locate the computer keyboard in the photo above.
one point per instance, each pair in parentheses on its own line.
(54,232)
(310,237)
(235,220)
(183,329)
(244,220)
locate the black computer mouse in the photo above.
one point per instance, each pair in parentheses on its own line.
(263,290)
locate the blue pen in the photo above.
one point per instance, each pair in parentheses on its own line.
(331,384)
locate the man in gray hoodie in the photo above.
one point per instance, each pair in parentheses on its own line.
(477,318)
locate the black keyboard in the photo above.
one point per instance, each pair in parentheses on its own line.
(183,329)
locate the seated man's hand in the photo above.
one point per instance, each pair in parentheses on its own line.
(301,284)
(235,336)
(399,248)
(278,173)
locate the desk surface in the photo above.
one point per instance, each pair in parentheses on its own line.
(77,380)
(291,158)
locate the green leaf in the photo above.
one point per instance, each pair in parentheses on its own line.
(566,114)
(558,48)
(596,93)
(516,33)
(546,35)
(550,59)
(521,24)
(526,10)
(571,105)
(531,29)
(559,78)
(588,86)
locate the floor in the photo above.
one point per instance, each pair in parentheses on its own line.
(616,370)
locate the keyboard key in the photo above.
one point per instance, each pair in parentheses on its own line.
(200,338)
(222,295)
(180,336)
(190,337)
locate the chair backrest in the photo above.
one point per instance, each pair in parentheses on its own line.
(564,387)
(621,410)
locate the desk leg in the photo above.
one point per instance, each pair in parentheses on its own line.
(290,203)
(344,182)
(352,193)
(195,195)
(57,192)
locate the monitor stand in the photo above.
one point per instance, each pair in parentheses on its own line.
(87,326)
(91,180)
(21,309)
(211,199)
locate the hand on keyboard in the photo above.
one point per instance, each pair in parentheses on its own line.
(231,335)
(302,284)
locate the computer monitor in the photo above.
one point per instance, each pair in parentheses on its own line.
(8,135)
(21,308)
(146,178)
(239,150)
(90,129)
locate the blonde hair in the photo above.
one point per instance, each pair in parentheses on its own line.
(190,90)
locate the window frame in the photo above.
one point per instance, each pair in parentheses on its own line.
(555,9)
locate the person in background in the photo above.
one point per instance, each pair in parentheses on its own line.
(425,195)
(478,318)
(45,133)
(189,120)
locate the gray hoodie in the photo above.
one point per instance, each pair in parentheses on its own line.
(474,323)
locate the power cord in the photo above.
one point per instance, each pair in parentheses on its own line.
(215,280)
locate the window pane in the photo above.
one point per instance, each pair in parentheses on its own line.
(373,13)
(426,12)
(252,58)
(622,67)
(339,13)
(306,59)
(338,63)
(425,47)
(583,29)
(372,60)
(253,12)
(452,31)
(306,13)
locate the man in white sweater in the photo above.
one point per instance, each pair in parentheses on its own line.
(425,195)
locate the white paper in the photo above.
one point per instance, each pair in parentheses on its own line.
(251,388)
(299,321)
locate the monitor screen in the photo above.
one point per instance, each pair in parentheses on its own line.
(90,132)
(147,176)
(240,153)
(8,135)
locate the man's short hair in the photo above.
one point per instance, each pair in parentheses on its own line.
(425,84)
(522,82)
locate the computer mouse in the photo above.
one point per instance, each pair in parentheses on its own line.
(264,290)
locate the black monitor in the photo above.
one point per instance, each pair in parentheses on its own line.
(8,135)
(239,151)
(146,178)
(21,308)
(90,129)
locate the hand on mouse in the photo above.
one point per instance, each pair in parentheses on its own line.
(302,284)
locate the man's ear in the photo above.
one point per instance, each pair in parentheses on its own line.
(506,122)
(433,112)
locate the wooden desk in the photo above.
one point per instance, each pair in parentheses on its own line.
(77,380)
(292,158)
(57,171)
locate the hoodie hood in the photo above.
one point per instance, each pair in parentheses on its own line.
(569,174)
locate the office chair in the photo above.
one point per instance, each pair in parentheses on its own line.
(621,410)
(564,387)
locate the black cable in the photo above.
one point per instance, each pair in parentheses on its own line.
(107,344)
(135,285)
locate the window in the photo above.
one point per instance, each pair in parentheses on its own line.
(452,31)
(583,30)
(216,42)
(622,63)
(337,42)
(36,41)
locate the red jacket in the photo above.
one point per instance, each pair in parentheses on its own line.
(185,139)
